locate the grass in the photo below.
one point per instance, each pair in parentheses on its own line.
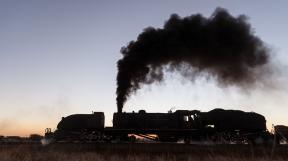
(139,152)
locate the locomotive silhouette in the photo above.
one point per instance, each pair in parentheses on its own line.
(217,125)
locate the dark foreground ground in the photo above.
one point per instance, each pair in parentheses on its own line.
(140,152)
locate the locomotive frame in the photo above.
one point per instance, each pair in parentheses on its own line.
(218,126)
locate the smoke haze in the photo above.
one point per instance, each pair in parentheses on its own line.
(221,47)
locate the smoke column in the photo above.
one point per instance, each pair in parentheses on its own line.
(221,46)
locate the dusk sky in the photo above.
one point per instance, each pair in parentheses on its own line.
(59,57)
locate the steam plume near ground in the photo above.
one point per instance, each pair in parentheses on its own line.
(221,47)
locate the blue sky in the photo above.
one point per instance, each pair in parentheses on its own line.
(58,57)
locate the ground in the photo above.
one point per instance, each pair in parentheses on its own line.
(139,152)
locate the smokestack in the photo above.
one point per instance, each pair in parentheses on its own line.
(222,46)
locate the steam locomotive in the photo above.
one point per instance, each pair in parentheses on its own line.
(217,125)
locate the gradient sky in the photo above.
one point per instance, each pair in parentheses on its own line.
(58,57)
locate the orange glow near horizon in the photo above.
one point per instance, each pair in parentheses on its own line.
(23,132)
(24,129)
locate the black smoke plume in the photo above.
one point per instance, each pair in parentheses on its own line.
(221,46)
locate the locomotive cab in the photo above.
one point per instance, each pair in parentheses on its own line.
(188,119)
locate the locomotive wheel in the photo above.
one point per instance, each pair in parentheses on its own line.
(187,140)
(132,138)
